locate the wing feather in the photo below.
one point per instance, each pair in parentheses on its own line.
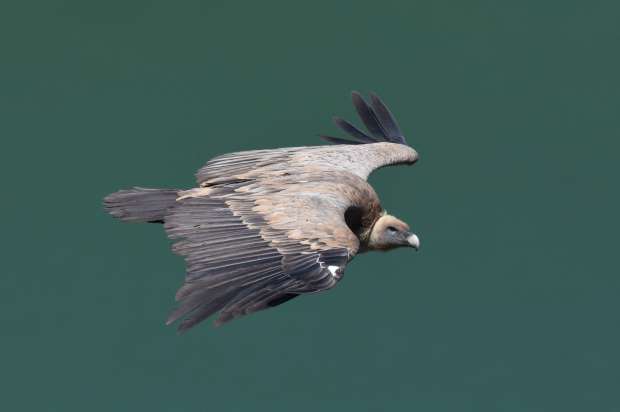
(338,140)
(387,120)
(379,121)
(368,116)
(353,131)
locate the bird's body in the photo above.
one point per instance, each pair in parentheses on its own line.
(265,226)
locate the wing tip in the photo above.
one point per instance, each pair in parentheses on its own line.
(376,116)
(338,140)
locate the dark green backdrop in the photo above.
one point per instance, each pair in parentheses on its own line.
(512,303)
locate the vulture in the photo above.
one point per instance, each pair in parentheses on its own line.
(266,226)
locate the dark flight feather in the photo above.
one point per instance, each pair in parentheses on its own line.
(352,130)
(338,140)
(140,204)
(377,118)
(387,120)
(368,116)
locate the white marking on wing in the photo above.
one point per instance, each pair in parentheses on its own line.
(334,270)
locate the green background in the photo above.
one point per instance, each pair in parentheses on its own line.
(512,302)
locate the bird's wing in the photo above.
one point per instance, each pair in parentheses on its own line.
(250,245)
(384,145)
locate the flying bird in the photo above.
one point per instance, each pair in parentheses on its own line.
(266,226)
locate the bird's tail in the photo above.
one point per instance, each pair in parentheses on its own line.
(140,204)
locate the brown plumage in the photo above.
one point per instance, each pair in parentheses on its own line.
(265,226)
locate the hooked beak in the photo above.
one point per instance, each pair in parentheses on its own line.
(414,241)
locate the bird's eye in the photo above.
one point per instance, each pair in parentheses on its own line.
(392,229)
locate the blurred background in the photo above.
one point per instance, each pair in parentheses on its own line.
(512,302)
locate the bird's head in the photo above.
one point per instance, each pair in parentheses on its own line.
(389,232)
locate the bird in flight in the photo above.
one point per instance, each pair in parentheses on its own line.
(266,226)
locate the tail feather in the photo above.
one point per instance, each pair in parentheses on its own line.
(140,204)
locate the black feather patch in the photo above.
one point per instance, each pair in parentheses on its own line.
(379,121)
(352,130)
(387,120)
(338,140)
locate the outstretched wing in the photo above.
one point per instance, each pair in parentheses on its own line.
(384,146)
(251,245)
(379,121)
